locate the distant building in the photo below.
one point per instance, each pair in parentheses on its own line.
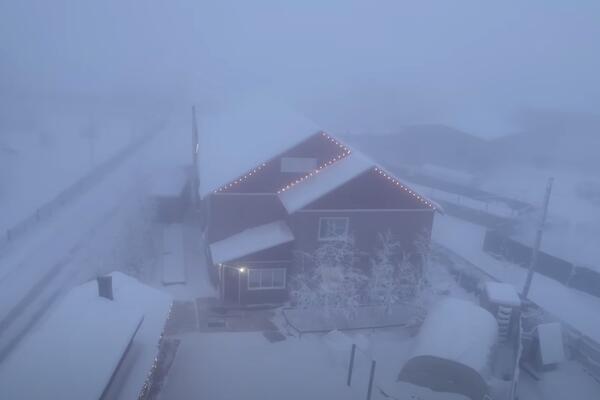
(271,197)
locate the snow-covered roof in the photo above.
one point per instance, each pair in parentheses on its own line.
(243,136)
(324,181)
(551,343)
(459,331)
(250,241)
(502,293)
(168,182)
(76,349)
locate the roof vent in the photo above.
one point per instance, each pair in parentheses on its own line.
(105,288)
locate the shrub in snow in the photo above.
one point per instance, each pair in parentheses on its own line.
(395,276)
(332,280)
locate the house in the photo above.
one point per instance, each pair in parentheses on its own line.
(100,341)
(274,187)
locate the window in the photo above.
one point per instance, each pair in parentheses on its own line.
(333,228)
(298,164)
(262,278)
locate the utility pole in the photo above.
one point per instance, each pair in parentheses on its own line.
(195,150)
(538,239)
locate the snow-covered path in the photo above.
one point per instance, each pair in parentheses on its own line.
(45,262)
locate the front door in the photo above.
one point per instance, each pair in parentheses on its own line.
(231,285)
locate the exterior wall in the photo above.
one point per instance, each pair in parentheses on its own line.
(229,214)
(234,284)
(406,225)
(369,190)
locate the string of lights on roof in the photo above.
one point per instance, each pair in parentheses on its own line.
(345,153)
(145,391)
(242,178)
(405,188)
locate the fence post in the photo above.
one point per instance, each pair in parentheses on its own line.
(351,365)
(371,377)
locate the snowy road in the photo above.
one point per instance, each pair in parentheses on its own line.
(47,261)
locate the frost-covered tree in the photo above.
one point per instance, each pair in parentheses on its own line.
(332,281)
(395,275)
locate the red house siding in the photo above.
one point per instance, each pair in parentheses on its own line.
(369,190)
(229,214)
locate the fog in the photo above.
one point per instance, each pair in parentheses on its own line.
(337,199)
(353,66)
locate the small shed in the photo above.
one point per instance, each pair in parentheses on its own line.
(453,350)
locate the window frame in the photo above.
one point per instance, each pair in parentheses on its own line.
(342,237)
(260,280)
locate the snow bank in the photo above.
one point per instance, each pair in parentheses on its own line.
(250,241)
(459,331)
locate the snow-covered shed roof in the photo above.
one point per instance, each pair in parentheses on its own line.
(502,293)
(250,241)
(459,331)
(324,181)
(237,139)
(168,182)
(76,349)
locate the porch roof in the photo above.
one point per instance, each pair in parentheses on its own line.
(250,241)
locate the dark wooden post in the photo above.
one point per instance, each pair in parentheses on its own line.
(351,365)
(371,377)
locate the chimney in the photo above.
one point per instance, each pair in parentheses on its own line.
(105,288)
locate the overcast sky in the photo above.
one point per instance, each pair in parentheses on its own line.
(352,65)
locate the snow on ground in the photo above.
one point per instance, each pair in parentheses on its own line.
(496,208)
(573,229)
(568,381)
(78,242)
(44,161)
(569,305)
(246,365)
